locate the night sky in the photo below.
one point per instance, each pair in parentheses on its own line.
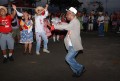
(111,4)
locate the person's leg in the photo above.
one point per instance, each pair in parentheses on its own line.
(58,37)
(70,58)
(53,35)
(89,27)
(30,47)
(10,43)
(3,47)
(25,47)
(101,29)
(105,27)
(54,38)
(45,41)
(92,27)
(38,44)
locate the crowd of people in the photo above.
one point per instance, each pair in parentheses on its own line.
(90,21)
(22,27)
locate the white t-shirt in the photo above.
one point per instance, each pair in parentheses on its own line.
(69,41)
(101,19)
(39,22)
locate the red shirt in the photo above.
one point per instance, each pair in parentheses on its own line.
(7,28)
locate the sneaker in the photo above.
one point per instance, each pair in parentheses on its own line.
(78,74)
(37,53)
(46,51)
(5,60)
(11,58)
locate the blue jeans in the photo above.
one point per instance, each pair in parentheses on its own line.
(70,58)
(101,29)
(38,40)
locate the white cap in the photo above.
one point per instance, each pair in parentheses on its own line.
(72,9)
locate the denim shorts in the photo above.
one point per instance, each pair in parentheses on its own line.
(6,40)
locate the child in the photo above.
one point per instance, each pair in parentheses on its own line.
(26,33)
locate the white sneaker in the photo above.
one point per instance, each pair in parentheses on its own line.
(37,53)
(46,51)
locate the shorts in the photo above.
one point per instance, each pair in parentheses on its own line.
(6,40)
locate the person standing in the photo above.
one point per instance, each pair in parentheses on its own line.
(90,21)
(47,31)
(6,38)
(85,22)
(26,34)
(41,14)
(106,22)
(101,24)
(72,41)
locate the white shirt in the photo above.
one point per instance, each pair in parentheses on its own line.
(101,19)
(69,41)
(92,18)
(56,20)
(68,38)
(39,22)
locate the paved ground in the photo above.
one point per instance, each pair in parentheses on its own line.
(101,58)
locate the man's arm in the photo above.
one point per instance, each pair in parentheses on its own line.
(14,12)
(46,11)
(46,7)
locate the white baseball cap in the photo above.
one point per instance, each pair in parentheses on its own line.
(72,9)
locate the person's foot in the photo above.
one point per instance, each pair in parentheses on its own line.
(5,60)
(11,58)
(37,53)
(78,74)
(24,53)
(46,51)
(30,53)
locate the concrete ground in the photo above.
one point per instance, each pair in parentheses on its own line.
(101,58)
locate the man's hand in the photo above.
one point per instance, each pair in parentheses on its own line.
(46,7)
(14,7)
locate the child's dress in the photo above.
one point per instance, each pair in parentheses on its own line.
(26,33)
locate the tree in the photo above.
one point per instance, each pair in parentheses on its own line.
(100,7)
(84,10)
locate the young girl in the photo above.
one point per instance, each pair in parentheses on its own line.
(48,32)
(26,33)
